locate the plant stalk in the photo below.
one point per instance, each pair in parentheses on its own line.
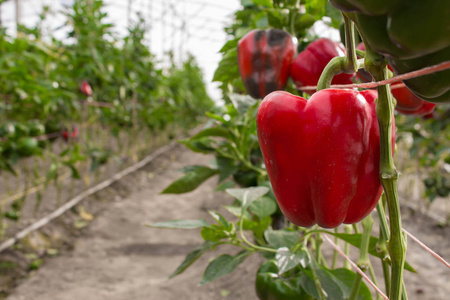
(363,260)
(396,245)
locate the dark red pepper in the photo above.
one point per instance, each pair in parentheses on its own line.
(322,154)
(309,64)
(265,58)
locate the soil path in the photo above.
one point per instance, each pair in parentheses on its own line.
(117,258)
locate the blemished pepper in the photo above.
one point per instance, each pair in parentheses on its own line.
(272,286)
(265,58)
(412,34)
(322,155)
(309,64)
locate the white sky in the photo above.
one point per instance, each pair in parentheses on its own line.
(183,26)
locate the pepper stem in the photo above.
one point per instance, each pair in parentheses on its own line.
(363,260)
(396,244)
(348,64)
(381,244)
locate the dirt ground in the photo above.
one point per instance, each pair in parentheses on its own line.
(116,257)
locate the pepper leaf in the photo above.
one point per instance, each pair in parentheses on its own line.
(263,207)
(281,238)
(330,287)
(190,181)
(248,195)
(198,145)
(223,265)
(242,102)
(287,260)
(225,185)
(213,131)
(226,166)
(192,257)
(228,68)
(345,278)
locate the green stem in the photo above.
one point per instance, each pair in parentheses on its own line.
(241,231)
(376,65)
(315,267)
(348,229)
(319,242)
(363,260)
(335,253)
(381,245)
(373,276)
(333,68)
(348,64)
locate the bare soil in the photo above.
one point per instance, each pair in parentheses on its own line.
(116,257)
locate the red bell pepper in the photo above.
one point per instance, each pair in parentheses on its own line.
(322,154)
(309,64)
(410,104)
(265,58)
(85,88)
(407,102)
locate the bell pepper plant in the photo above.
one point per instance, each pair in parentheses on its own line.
(329,156)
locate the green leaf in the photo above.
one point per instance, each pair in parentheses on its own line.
(213,233)
(330,287)
(223,265)
(226,167)
(242,102)
(263,207)
(213,131)
(228,68)
(258,228)
(198,145)
(345,278)
(287,260)
(192,257)
(316,7)
(190,181)
(334,14)
(303,22)
(248,195)
(180,224)
(265,3)
(231,44)
(236,211)
(281,238)
(225,185)
(220,219)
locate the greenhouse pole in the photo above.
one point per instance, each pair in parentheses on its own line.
(18,14)
(130,3)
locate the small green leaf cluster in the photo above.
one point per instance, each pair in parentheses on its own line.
(291,249)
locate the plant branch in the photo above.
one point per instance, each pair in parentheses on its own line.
(377,66)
